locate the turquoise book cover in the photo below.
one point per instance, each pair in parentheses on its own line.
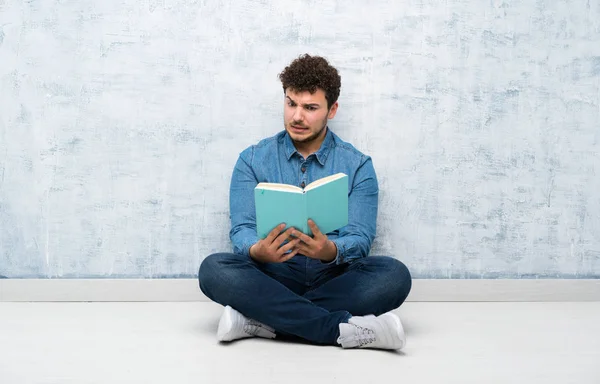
(325,201)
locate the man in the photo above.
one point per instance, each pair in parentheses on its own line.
(324,289)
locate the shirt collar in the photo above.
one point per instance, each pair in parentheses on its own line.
(321,154)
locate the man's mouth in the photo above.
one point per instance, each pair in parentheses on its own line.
(298,128)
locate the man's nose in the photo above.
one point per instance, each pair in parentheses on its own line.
(298,116)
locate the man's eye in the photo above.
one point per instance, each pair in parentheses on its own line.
(311,108)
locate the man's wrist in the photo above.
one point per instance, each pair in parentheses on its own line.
(331,253)
(250,253)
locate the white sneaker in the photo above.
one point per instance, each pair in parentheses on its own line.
(233,325)
(381,332)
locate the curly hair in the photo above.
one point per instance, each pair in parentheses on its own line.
(307,73)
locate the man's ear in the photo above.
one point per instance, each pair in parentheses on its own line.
(332,111)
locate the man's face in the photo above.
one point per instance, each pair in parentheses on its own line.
(305,115)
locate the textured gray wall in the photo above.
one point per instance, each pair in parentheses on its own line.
(120,121)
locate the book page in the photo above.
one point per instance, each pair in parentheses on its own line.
(324,180)
(279,187)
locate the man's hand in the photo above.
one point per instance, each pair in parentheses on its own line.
(316,247)
(271,250)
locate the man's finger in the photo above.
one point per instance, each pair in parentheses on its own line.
(303,249)
(313,227)
(274,232)
(286,247)
(305,238)
(283,237)
(288,256)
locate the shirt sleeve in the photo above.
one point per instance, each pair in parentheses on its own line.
(356,238)
(241,204)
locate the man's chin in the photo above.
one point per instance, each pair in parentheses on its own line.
(299,138)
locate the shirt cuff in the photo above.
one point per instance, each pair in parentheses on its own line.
(244,248)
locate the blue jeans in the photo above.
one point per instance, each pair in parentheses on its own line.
(303,297)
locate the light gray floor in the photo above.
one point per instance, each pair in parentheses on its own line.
(175,343)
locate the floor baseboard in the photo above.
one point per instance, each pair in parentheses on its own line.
(78,290)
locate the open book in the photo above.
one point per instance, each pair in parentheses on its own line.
(325,201)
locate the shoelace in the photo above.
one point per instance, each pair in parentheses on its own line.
(252,327)
(364,336)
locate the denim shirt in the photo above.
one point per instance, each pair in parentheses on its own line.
(276,160)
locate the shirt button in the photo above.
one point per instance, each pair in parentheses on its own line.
(303,185)
(303,169)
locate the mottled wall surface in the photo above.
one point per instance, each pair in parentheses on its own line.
(120,122)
